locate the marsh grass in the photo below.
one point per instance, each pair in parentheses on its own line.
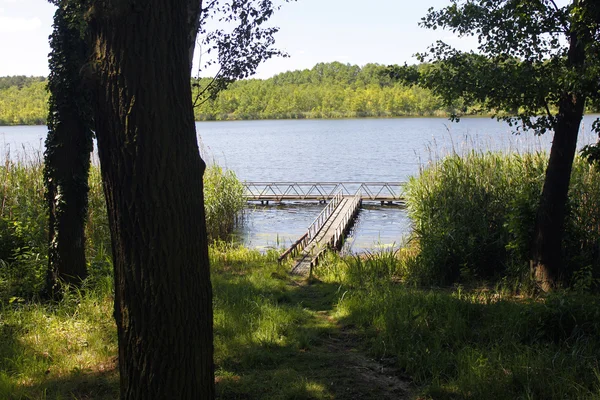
(224,201)
(473,217)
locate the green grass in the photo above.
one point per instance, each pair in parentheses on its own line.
(342,335)
(475,343)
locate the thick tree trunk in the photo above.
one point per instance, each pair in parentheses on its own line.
(152,174)
(546,263)
(547,260)
(68,147)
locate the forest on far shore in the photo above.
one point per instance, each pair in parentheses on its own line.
(328,90)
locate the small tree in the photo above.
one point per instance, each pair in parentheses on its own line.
(537,66)
(68,147)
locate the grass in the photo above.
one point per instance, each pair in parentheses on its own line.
(475,343)
(355,331)
(274,339)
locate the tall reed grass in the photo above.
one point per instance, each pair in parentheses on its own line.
(224,201)
(24,222)
(473,217)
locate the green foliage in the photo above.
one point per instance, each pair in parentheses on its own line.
(23,229)
(473,218)
(239,49)
(68,145)
(529,57)
(23,101)
(328,90)
(476,343)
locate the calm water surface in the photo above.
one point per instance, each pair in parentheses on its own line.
(330,150)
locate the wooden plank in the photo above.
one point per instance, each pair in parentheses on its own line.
(329,236)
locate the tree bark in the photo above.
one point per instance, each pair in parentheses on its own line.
(67,154)
(547,259)
(152,175)
(67,165)
(546,263)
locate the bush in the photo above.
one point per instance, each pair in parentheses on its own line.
(473,217)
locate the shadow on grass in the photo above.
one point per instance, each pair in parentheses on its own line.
(481,345)
(80,385)
(282,343)
(29,374)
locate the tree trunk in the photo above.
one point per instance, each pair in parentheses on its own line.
(547,260)
(152,175)
(67,154)
(546,264)
(67,165)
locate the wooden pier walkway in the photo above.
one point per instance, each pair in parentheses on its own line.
(326,232)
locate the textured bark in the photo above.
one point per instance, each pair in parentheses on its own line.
(152,175)
(68,147)
(547,265)
(547,258)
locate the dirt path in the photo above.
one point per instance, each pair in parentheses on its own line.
(350,371)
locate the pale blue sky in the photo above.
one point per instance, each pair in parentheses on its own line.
(312,31)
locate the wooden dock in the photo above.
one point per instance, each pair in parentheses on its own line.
(326,232)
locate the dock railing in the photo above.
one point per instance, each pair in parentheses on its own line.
(314,228)
(342,228)
(322,191)
(324,215)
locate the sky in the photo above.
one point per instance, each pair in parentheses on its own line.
(311,31)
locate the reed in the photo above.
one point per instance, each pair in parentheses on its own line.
(223,201)
(24,222)
(473,218)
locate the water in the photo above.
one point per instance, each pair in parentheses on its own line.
(331,150)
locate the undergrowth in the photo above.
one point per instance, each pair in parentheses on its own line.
(24,223)
(471,343)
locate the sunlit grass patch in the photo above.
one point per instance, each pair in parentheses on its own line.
(72,342)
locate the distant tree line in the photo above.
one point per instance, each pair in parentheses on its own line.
(23,100)
(328,90)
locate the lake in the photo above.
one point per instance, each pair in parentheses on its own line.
(360,150)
